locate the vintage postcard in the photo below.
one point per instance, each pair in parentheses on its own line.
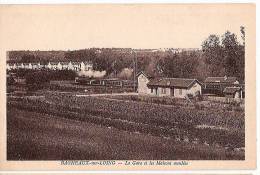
(128,87)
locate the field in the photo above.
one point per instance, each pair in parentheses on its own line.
(54,125)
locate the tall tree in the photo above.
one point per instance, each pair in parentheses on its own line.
(231,53)
(213,55)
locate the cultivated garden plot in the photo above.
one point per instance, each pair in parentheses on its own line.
(196,128)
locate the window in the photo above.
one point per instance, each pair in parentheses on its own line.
(180,91)
(163,91)
(152,90)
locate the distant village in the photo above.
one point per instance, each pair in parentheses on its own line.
(147,84)
(185,88)
(76,66)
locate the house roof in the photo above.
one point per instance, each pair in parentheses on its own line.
(54,63)
(221,79)
(231,90)
(145,74)
(75,62)
(172,82)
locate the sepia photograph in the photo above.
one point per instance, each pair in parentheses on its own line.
(127,82)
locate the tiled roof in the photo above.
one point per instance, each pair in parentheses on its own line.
(231,90)
(145,74)
(220,80)
(172,82)
(54,63)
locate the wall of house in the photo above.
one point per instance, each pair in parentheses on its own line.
(165,92)
(194,88)
(237,94)
(142,85)
(180,92)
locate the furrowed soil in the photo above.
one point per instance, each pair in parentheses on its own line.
(65,127)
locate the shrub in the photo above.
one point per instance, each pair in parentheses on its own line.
(37,80)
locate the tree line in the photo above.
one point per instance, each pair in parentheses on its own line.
(218,56)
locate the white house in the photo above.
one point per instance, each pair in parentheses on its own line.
(20,66)
(36,65)
(85,66)
(11,66)
(70,66)
(174,87)
(59,66)
(142,80)
(76,66)
(64,65)
(52,65)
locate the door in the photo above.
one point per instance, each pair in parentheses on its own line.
(172,92)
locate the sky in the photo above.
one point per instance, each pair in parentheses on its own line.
(71,27)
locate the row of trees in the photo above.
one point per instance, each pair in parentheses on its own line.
(218,56)
(225,56)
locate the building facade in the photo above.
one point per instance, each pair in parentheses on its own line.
(233,92)
(175,87)
(216,85)
(171,87)
(76,66)
(142,80)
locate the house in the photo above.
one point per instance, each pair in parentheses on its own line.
(174,87)
(86,66)
(52,65)
(216,85)
(20,66)
(36,65)
(233,92)
(142,80)
(64,65)
(27,65)
(76,66)
(9,66)
(70,66)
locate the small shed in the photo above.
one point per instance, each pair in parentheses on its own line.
(233,92)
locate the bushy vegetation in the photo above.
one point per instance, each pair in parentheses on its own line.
(158,120)
(218,56)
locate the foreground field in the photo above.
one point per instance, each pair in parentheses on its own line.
(63,126)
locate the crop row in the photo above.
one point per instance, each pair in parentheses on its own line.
(159,114)
(155,126)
